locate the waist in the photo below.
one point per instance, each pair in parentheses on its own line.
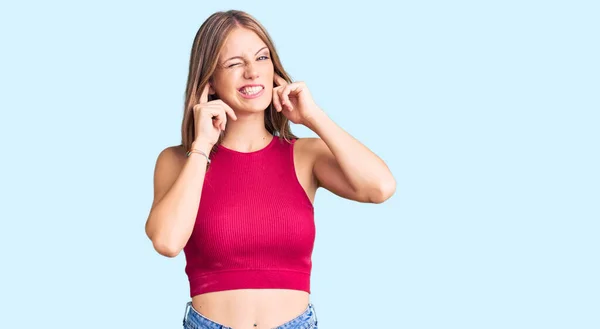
(207,282)
(243,307)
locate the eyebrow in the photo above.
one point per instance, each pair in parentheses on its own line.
(240,57)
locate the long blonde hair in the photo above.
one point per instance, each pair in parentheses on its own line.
(208,43)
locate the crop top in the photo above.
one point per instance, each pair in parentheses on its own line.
(255,224)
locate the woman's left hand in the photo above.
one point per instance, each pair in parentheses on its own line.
(294,101)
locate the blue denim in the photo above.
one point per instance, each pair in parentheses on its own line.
(192,319)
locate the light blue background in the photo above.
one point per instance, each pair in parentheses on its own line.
(486,112)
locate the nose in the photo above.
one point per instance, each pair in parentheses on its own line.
(250,72)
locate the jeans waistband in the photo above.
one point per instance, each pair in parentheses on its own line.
(193,318)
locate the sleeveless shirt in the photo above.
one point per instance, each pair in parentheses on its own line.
(255,224)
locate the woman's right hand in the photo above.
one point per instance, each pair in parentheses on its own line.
(210,118)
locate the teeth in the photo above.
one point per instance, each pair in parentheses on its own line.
(250,90)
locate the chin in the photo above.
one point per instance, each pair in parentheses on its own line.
(254,108)
(255,105)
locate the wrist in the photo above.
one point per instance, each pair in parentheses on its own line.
(202,145)
(314,120)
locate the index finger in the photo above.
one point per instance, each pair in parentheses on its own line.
(279,80)
(204,94)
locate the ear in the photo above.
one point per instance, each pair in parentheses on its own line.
(211,91)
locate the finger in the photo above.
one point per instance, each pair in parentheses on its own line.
(221,124)
(216,122)
(230,111)
(223,114)
(280,98)
(204,94)
(285,95)
(279,80)
(276,101)
(219,118)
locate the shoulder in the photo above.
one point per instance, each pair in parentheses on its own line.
(310,150)
(310,146)
(169,164)
(172,153)
(170,159)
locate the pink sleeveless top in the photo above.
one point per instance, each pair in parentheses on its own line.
(255,224)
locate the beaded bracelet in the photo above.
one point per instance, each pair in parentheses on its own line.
(199,152)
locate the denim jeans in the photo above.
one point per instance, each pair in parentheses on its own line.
(192,319)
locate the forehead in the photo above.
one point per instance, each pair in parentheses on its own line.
(241,41)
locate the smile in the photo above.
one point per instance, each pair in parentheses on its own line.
(251,91)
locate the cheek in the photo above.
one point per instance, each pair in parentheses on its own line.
(225,85)
(269,75)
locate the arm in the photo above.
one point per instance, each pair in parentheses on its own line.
(178,182)
(346,167)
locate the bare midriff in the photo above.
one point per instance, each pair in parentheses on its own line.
(252,308)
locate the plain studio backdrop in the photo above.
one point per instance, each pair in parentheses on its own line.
(486,112)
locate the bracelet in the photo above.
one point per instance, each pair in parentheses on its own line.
(199,152)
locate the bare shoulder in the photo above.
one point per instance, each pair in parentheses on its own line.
(172,153)
(169,163)
(308,148)
(171,158)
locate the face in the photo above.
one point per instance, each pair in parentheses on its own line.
(244,75)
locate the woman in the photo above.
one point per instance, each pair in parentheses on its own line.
(237,195)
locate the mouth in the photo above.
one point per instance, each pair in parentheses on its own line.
(251,91)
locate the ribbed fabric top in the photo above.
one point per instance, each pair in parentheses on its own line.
(255,224)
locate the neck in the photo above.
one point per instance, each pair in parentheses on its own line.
(247,133)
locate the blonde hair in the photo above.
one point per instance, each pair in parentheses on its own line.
(208,43)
